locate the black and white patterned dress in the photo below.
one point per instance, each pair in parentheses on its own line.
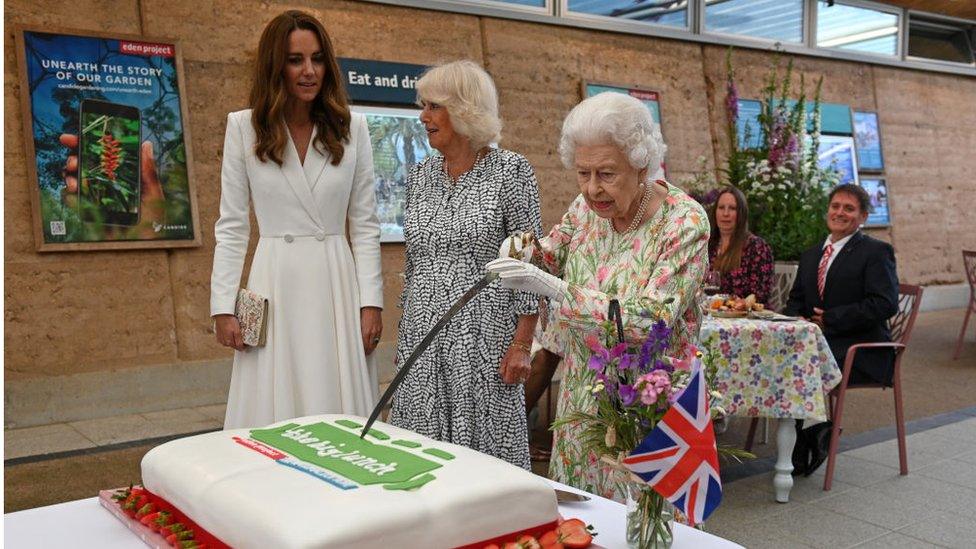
(454,392)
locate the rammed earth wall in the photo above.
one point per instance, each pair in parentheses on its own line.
(84,327)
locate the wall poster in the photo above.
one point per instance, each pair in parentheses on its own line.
(877,191)
(867,137)
(651,100)
(837,152)
(399,141)
(107,141)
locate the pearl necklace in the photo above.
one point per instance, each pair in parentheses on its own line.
(641,208)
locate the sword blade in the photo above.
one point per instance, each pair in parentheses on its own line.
(424,343)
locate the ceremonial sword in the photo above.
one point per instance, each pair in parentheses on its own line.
(424,343)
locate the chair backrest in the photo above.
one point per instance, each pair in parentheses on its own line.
(901,324)
(969,263)
(779,294)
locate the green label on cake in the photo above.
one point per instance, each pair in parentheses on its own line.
(345,454)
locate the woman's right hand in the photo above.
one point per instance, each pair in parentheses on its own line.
(228,331)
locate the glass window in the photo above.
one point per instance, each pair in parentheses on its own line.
(779,20)
(933,39)
(858,29)
(661,12)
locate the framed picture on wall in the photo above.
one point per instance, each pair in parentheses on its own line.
(867,139)
(877,191)
(107,141)
(837,152)
(399,141)
(650,98)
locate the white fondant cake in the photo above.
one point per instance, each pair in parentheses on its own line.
(307,482)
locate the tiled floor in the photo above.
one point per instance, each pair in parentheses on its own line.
(870,505)
(93,433)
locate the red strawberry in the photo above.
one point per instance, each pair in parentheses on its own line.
(181,536)
(528,542)
(574,534)
(491,546)
(122,494)
(174,528)
(145,510)
(550,540)
(162,520)
(135,503)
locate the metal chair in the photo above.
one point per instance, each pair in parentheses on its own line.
(969,262)
(900,325)
(779,294)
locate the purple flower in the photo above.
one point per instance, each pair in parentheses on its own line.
(628,361)
(597,363)
(732,100)
(627,394)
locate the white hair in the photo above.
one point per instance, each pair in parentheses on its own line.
(469,95)
(611,118)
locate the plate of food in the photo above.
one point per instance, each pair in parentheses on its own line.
(729,314)
(734,307)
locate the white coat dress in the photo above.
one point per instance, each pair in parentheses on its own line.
(313,362)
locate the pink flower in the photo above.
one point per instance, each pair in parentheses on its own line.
(602,273)
(638,244)
(651,385)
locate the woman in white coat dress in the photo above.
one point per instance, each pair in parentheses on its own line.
(306,164)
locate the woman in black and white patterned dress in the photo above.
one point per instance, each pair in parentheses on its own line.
(461,205)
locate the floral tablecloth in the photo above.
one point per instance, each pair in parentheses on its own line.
(771,369)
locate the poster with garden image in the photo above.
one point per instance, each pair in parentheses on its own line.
(399,141)
(107,145)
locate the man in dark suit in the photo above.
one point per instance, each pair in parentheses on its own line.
(848,286)
(851,289)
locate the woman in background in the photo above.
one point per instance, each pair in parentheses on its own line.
(742,262)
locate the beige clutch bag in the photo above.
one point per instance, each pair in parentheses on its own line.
(251,311)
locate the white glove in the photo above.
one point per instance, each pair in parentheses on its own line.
(519,275)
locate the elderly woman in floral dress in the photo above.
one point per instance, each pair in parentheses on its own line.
(627,237)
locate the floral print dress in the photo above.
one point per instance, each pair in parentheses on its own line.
(754,274)
(666,257)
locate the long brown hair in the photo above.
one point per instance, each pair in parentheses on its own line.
(330,109)
(732,257)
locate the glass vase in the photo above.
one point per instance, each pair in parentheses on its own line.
(650,518)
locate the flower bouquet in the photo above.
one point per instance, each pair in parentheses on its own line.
(633,387)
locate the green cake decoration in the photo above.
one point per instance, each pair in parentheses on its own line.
(348,423)
(345,454)
(406,443)
(439,453)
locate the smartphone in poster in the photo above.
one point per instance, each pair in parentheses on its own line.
(107,141)
(108,169)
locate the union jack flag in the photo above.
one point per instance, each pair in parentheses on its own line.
(678,457)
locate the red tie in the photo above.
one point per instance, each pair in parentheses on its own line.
(822,269)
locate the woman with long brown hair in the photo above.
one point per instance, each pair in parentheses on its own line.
(742,261)
(305,162)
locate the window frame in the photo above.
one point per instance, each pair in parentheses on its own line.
(759,42)
(629,25)
(869,5)
(556,13)
(936,19)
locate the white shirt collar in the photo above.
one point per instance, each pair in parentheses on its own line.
(839,244)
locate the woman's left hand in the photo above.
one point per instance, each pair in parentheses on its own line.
(515,366)
(371,320)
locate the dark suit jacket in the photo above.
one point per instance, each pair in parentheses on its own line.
(860,295)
